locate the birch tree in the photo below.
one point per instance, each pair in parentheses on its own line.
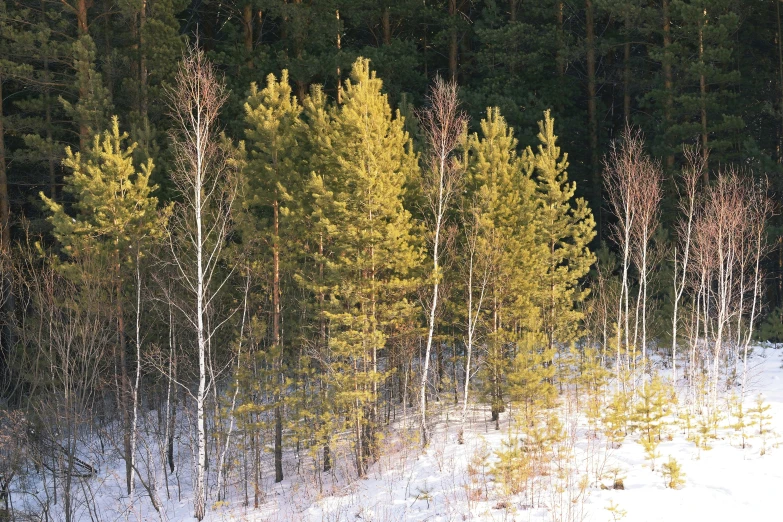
(202,172)
(691,174)
(443,125)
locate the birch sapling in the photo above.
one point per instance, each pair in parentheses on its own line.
(620,171)
(691,174)
(482,256)
(443,126)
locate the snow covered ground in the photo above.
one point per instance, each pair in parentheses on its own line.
(724,483)
(453,482)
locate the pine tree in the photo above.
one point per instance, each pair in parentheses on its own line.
(758,413)
(672,473)
(90,109)
(501,186)
(616,417)
(737,409)
(374,254)
(273,135)
(704,61)
(530,377)
(565,227)
(651,408)
(117,217)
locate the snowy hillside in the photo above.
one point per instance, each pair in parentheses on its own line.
(724,483)
(573,480)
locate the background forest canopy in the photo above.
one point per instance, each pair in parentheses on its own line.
(306,218)
(707,71)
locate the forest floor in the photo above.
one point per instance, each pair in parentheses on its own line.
(450,481)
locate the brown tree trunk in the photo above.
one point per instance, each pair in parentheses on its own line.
(591,107)
(627,72)
(667,75)
(386,22)
(703,100)
(81,16)
(81,22)
(591,102)
(247,28)
(453,40)
(512,18)
(5,209)
(339,96)
(560,38)
(48,113)
(143,72)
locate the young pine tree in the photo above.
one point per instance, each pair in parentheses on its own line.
(273,135)
(116,218)
(374,255)
(501,186)
(565,227)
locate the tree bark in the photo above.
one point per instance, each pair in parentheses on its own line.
(81,16)
(339,96)
(278,449)
(81,22)
(703,99)
(386,22)
(453,40)
(667,75)
(627,72)
(5,209)
(143,71)
(591,107)
(124,391)
(560,38)
(247,28)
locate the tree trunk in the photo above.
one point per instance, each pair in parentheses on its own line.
(5,210)
(386,22)
(276,339)
(5,243)
(627,72)
(81,16)
(172,427)
(143,72)
(703,99)
(339,96)
(591,101)
(124,391)
(560,38)
(453,40)
(247,28)
(81,21)
(667,76)
(47,99)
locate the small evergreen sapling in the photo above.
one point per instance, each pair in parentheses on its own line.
(615,419)
(759,414)
(686,419)
(673,476)
(741,422)
(616,511)
(512,471)
(651,409)
(649,414)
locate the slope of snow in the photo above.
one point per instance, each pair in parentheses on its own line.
(724,483)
